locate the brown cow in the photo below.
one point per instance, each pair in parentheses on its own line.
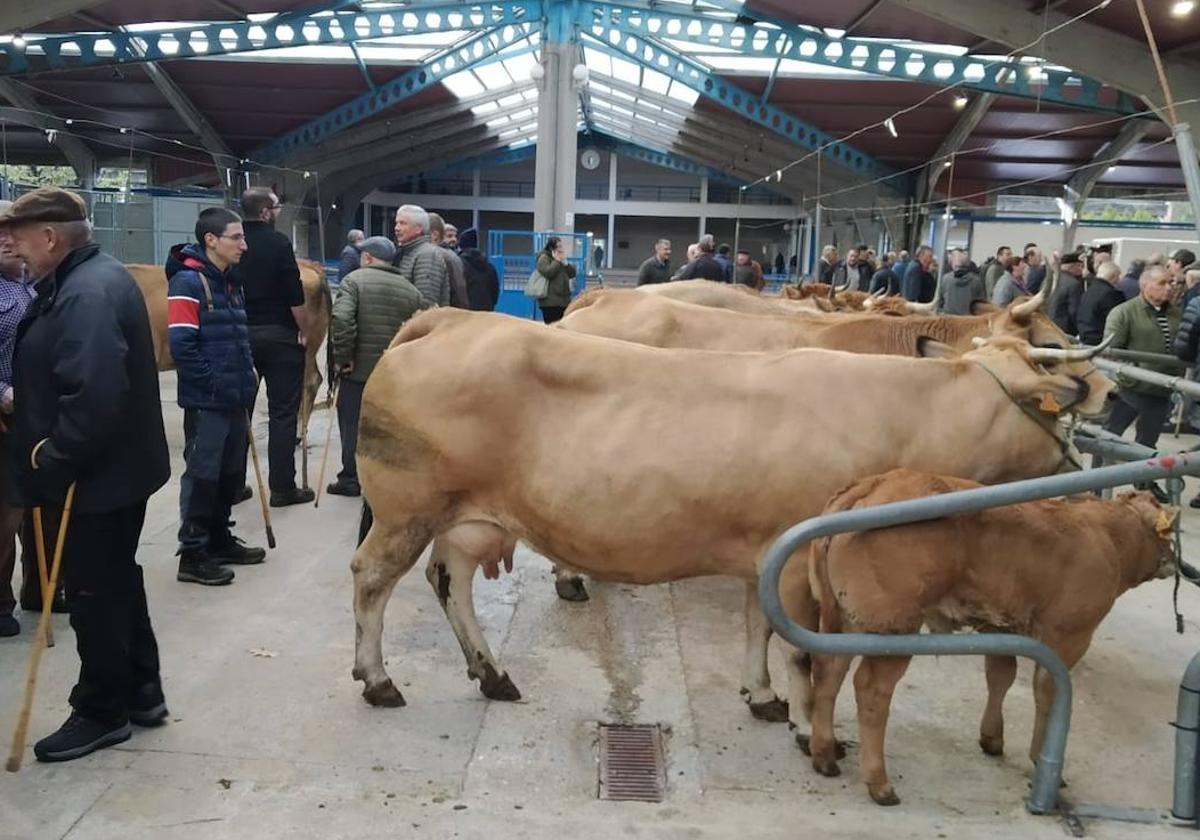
(1049,569)
(152,280)
(588,449)
(725,296)
(853,301)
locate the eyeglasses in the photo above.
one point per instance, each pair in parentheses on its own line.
(237,237)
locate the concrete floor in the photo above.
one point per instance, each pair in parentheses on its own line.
(268,736)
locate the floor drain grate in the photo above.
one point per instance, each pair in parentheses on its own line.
(632,763)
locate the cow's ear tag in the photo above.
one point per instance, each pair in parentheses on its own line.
(1164,524)
(1049,404)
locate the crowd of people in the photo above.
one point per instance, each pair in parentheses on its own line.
(708,261)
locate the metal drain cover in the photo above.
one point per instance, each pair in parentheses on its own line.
(632,763)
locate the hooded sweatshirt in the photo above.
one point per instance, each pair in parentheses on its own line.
(958,290)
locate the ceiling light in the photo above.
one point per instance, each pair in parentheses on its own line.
(891,127)
(1111,169)
(18,40)
(945,163)
(1180,8)
(960,101)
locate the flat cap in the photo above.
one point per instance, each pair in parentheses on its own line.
(45,204)
(379,247)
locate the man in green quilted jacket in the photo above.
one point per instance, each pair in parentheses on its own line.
(371,305)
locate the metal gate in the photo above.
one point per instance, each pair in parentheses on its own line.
(514,253)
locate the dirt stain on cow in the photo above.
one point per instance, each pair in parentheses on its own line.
(394,445)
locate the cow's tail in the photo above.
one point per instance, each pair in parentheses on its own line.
(585,300)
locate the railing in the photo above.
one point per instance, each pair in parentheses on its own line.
(593,192)
(652,192)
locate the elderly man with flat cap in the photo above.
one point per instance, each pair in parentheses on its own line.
(86,413)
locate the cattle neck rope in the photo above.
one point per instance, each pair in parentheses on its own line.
(1064,447)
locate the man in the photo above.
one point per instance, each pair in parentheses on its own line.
(349,259)
(1129,285)
(1178,264)
(1100,298)
(16,292)
(853,271)
(1036,273)
(961,287)
(418,258)
(1012,283)
(450,238)
(454,266)
(726,264)
(827,265)
(371,306)
(1147,323)
(884,277)
(705,265)
(900,266)
(779,263)
(748,272)
(918,284)
(993,270)
(1064,306)
(483,283)
(656,268)
(87,413)
(270,281)
(210,343)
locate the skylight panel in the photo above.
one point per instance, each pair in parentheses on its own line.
(625,71)
(597,60)
(682,93)
(656,82)
(493,76)
(463,84)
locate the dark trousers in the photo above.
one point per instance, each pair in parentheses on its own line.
(10,524)
(279,360)
(348,409)
(550,314)
(1150,411)
(214,448)
(118,654)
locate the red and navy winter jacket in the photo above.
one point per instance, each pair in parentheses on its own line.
(206,319)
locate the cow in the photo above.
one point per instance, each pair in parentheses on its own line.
(642,465)
(1049,569)
(723,296)
(152,280)
(840,297)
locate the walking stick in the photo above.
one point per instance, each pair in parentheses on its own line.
(39,539)
(262,494)
(305,416)
(328,437)
(39,639)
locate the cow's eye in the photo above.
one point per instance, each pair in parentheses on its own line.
(1051,346)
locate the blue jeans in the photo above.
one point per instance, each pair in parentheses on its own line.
(214,447)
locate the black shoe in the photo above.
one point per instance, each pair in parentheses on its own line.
(344,488)
(9,626)
(1195,502)
(1189,572)
(237,553)
(1159,494)
(148,707)
(58,606)
(80,736)
(197,567)
(243,494)
(295,496)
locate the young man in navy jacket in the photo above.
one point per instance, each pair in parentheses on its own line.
(210,344)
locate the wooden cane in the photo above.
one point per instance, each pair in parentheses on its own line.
(305,416)
(262,493)
(39,540)
(39,640)
(328,437)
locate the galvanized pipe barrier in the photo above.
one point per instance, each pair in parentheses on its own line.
(1175,383)
(1043,796)
(1187,736)
(1123,355)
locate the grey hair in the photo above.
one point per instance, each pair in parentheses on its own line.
(416,215)
(75,234)
(1110,271)
(666,242)
(707,243)
(353,235)
(828,249)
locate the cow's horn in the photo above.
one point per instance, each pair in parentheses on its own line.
(840,289)
(927,308)
(881,293)
(1026,309)
(1074,354)
(978,341)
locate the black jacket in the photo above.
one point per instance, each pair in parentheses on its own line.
(1187,340)
(483,284)
(1098,300)
(704,267)
(885,278)
(1064,306)
(269,277)
(84,378)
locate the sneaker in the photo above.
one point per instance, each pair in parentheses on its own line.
(237,553)
(1195,502)
(197,567)
(80,736)
(342,487)
(243,494)
(295,496)
(148,707)
(9,626)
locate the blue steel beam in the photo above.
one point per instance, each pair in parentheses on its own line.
(777,39)
(61,52)
(475,51)
(362,67)
(658,57)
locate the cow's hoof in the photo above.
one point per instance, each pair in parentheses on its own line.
(827,767)
(802,741)
(571,589)
(498,686)
(384,694)
(884,795)
(772,711)
(991,745)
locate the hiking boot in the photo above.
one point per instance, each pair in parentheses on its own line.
(237,553)
(9,626)
(243,494)
(80,736)
(344,487)
(198,567)
(295,496)
(148,707)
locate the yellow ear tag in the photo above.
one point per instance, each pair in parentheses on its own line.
(1164,523)
(1049,404)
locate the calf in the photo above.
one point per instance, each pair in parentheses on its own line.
(1050,569)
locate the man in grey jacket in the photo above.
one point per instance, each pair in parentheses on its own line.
(372,303)
(960,287)
(454,265)
(418,258)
